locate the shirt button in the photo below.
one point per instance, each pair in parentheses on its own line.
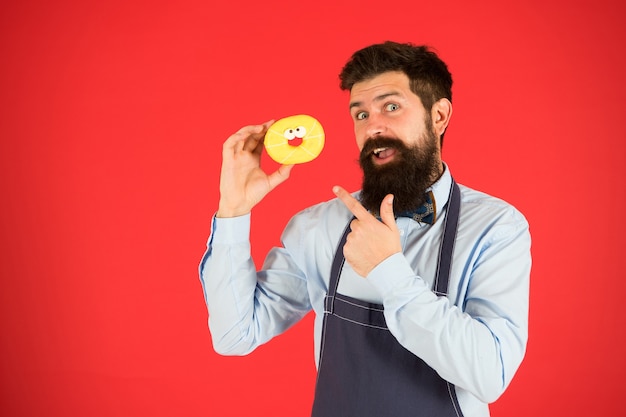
(401,232)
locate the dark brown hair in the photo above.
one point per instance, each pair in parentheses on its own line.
(428,75)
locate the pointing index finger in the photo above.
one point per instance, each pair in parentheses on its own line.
(351,203)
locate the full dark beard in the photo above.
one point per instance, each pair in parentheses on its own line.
(407,177)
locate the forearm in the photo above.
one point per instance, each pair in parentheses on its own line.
(477,344)
(247,308)
(228,278)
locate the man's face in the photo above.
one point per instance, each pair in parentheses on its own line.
(400,153)
(385,106)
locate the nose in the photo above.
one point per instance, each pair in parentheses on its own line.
(374,126)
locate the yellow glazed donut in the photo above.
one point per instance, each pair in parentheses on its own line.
(294,139)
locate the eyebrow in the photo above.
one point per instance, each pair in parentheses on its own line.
(377,98)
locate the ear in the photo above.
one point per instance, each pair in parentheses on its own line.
(441,114)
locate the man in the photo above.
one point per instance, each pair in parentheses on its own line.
(419,285)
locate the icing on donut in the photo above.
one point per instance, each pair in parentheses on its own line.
(294,139)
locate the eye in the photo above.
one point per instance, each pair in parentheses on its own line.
(289,134)
(391,107)
(361,115)
(300,132)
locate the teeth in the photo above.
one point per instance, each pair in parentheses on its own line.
(378,150)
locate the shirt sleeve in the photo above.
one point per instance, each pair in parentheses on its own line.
(247,308)
(478,342)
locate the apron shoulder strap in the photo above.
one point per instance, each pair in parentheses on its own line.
(442,276)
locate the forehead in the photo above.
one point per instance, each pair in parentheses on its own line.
(385,84)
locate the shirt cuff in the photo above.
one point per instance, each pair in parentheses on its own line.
(392,274)
(230,230)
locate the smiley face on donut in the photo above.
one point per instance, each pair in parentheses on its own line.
(294,139)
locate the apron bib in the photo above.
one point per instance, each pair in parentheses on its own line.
(363,369)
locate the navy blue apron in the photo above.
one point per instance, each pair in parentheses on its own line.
(363,369)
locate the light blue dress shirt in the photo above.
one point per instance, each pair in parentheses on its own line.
(474,338)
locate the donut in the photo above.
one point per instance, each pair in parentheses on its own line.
(294,139)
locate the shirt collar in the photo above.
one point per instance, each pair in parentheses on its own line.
(441,190)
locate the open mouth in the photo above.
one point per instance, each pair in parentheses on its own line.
(383,154)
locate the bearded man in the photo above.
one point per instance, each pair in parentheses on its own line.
(419,285)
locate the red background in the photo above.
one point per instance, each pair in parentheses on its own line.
(112,118)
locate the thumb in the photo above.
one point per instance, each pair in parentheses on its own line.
(279,176)
(386,211)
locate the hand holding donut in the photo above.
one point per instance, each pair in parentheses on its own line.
(291,140)
(242,181)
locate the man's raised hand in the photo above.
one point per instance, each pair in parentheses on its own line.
(370,241)
(242,181)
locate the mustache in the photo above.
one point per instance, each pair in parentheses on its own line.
(373,143)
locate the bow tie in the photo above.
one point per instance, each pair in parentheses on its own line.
(426,213)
